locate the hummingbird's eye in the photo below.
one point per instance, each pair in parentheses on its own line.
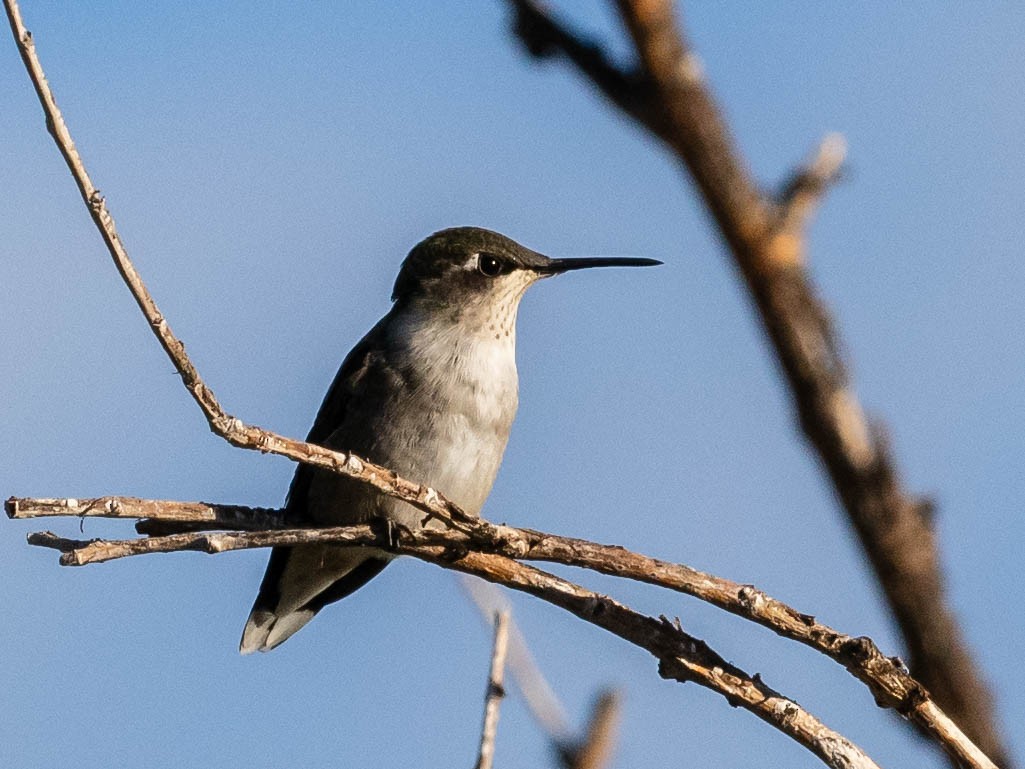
(489,265)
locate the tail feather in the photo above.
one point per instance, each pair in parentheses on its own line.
(299,582)
(265,630)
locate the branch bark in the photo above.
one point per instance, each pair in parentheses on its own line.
(681,656)
(765,236)
(886,677)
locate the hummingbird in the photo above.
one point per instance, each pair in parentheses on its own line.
(430,392)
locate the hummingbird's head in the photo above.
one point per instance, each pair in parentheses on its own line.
(470,269)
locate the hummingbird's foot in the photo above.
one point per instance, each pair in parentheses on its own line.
(390,531)
(455,552)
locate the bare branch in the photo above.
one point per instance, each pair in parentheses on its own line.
(886,677)
(224,516)
(495,692)
(81,552)
(767,244)
(681,656)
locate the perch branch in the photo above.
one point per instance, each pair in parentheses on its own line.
(766,239)
(887,679)
(495,692)
(681,657)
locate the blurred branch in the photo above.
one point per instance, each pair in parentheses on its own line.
(627,89)
(767,242)
(593,750)
(495,692)
(887,679)
(538,694)
(805,189)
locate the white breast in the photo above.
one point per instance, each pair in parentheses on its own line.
(468,384)
(472,368)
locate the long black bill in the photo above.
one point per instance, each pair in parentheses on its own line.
(556,266)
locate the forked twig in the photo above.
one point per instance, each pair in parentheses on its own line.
(538,694)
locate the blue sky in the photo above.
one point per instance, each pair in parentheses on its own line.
(269,170)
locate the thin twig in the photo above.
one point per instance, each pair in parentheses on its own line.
(538,694)
(886,677)
(495,692)
(224,516)
(767,242)
(805,189)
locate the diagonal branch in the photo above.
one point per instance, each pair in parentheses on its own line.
(232,429)
(680,656)
(886,677)
(767,242)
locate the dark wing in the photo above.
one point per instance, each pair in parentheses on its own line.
(332,413)
(331,416)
